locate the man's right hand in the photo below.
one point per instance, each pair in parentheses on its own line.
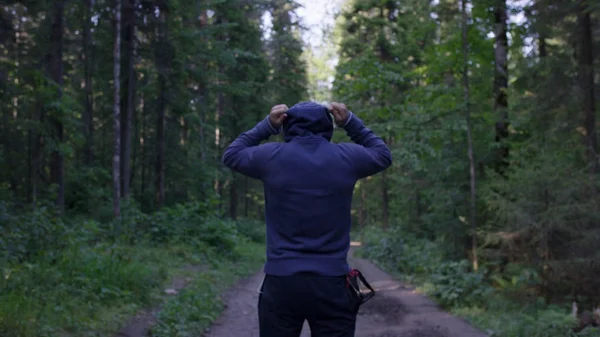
(278,115)
(340,113)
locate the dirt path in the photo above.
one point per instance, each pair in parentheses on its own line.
(395,311)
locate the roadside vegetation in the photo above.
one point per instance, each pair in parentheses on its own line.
(503,304)
(76,277)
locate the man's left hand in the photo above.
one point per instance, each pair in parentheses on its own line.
(278,115)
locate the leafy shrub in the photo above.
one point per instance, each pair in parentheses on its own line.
(254,230)
(38,297)
(58,274)
(192,223)
(39,233)
(455,285)
(401,252)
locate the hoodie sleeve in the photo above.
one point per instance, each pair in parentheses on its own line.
(243,154)
(370,155)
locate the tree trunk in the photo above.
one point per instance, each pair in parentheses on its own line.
(543,48)
(88,116)
(245,196)
(501,82)
(362,211)
(466,92)
(143,155)
(218,115)
(162,106)
(233,198)
(117,113)
(586,65)
(135,147)
(55,70)
(203,19)
(160,148)
(385,204)
(129,101)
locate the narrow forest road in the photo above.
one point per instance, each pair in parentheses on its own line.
(395,311)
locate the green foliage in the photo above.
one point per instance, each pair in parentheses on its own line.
(80,276)
(192,311)
(503,305)
(289,75)
(44,298)
(452,283)
(401,70)
(253,229)
(456,286)
(401,251)
(38,233)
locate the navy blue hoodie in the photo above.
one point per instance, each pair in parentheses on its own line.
(308,186)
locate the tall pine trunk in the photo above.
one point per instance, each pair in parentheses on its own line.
(233,197)
(362,210)
(385,203)
(117,113)
(586,66)
(88,116)
(55,70)
(143,149)
(467,99)
(162,107)
(129,15)
(501,82)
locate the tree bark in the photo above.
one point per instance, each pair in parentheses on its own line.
(467,99)
(245,196)
(55,70)
(362,211)
(88,116)
(162,106)
(129,101)
(160,148)
(143,148)
(543,48)
(117,113)
(586,66)
(233,198)
(501,81)
(385,203)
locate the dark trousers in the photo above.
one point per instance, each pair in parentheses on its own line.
(324,301)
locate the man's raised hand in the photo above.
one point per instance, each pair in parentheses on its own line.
(278,115)
(340,113)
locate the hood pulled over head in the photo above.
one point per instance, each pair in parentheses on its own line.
(308,118)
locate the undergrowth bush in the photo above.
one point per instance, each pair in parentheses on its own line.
(456,286)
(41,296)
(402,252)
(503,305)
(60,275)
(253,229)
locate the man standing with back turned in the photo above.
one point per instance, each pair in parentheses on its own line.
(308,186)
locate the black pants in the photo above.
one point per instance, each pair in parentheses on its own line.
(324,301)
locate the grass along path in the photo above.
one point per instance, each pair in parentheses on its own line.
(98,291)
(193,310)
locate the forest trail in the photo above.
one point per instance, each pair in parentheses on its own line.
(395,311)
